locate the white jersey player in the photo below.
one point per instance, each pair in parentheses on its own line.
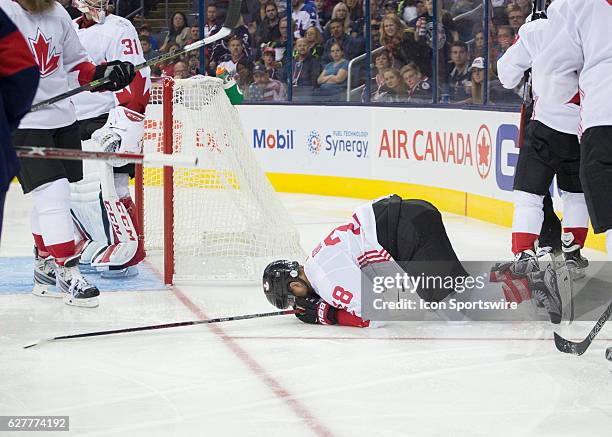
(104,212)
(578,58)
(550,147)
(48,29)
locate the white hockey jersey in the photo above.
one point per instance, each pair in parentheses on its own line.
(339,263)
(578,55)
(114,39)
(563,117)
(57,51)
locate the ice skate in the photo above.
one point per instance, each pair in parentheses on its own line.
(576,263)
(545,291)
(44,276)
(74,287)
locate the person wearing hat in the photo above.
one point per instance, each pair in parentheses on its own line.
(275,69)
(145,30)
(477,84)
(264,89)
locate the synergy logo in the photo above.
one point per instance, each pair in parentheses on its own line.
(313,142)
(340,142)
(484,147)
(282,140)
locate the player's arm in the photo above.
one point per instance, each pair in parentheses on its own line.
(561,59)
(318,311)
(512,65)
(76,60)
(124,128)
(19,73)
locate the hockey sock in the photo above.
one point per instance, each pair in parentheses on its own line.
(52,206)
(41,248)
(575,216)
(526,221)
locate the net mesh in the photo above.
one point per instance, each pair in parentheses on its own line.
(228,220)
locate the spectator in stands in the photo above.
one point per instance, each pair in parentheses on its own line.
(194,35)
(418,88)
(505,38)
(355,10)
(323,15)
(145,30)
(407,10)
(516,17)
(265,89)
(350,47)
(147,50)
(275,68)
(393,90)
(306,70)
(332,80)
(478,82)
(181,70)
(401,44)
(459,76)
(375,33)
(525,5)
(211,26)
(304,16)
(341,12)
(236,53)
(280,44)
(382,62)
(250,12)
(314,41)
(268,29)
(244,77)
(178,33)
(477,47)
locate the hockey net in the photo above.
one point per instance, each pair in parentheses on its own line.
(221,220)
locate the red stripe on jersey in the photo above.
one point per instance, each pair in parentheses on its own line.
(20,56)
(134,96)
(86,72)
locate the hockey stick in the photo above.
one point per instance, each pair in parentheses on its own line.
(165,326)
(231,19)
(114,158)
(570,347)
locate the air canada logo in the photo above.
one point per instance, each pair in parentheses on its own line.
(484,146)
(44,51)
(313,142)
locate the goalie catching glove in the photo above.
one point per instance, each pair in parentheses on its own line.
(316,311)
(122,132)
(120,74)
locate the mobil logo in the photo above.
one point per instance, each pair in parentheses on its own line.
(273,139)
(506,156)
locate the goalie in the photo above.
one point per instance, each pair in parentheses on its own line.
(380,235)
(103,211)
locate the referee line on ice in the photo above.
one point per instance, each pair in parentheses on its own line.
(279,391)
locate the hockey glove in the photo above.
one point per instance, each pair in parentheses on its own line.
(316,311)
(122,132)
(120,73)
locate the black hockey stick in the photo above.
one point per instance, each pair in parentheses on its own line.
(231,19)
(570,347)
(164,326)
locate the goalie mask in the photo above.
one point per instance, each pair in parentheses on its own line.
(276,279)
(94,8)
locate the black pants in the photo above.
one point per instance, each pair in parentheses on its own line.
(36,171)
(88,126)
(413,233)
(596,175)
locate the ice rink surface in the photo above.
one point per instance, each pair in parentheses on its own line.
(279,377)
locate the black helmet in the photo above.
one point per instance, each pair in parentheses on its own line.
(276,279)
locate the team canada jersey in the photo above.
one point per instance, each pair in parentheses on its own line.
(578,54)
(114,39)
(57,51)
(562,117)
(349,254)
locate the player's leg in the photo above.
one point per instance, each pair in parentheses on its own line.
(596,179)
(48,181)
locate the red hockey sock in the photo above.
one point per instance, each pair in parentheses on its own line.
(579,234)
(43,252)
(62,251)
(522,241)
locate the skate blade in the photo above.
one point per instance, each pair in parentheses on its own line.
(44,290)
(128,272)
(91,302)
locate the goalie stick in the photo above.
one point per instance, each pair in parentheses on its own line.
(110,157)
(570,347)
(164,326)
(231,19)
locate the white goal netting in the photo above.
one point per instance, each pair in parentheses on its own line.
(228,220)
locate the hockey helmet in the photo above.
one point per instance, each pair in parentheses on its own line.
(95,8)
(276,279)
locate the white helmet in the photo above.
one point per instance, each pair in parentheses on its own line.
(95,8)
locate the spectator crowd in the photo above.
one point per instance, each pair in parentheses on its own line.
(327,34)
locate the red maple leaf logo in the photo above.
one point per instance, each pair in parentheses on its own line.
(134,96)
(44,52)
(483,151)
